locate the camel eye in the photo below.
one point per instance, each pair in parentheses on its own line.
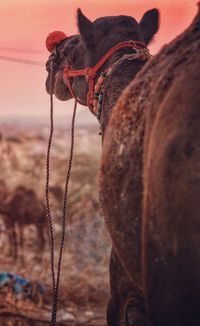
(75,41)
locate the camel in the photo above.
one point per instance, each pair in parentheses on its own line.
(149,182)
(19,209)
(126,305)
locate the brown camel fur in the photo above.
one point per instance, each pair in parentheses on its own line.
(19,209)
(126,306)
(150,179)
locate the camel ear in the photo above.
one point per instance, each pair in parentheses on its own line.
(86,29)
(149,24)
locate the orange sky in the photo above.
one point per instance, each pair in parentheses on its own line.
(25,24)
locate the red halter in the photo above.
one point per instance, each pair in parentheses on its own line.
(90,73)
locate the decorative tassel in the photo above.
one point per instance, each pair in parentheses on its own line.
(53,39)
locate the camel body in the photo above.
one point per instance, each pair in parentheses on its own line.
(20,209)
(150,181)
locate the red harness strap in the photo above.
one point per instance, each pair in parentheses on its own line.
(90,73)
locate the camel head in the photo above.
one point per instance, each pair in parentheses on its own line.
(105,32)
(95,39)
(69,52)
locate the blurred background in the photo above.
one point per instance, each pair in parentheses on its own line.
(25,279)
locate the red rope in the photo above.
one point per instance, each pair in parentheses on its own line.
(90,73)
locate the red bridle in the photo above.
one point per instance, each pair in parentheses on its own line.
(91,73)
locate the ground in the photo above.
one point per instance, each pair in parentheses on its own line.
(84,280)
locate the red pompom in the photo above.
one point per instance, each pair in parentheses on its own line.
(53,39)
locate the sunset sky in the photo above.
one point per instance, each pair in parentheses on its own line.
(25,24)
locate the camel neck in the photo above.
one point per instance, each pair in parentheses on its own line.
(121,76)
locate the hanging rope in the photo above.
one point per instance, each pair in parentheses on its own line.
(62,241)
(51,235)
(56,279)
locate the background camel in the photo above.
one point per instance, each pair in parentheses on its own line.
(126,304)
(151,155)
(19,209)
